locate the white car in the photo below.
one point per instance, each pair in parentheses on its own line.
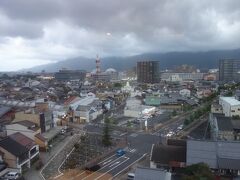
(63,131)
(12,175)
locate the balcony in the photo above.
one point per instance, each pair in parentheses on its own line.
(33,152)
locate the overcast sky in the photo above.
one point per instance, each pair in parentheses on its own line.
(34,32)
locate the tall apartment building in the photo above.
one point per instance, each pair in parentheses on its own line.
(148,72)
(229,70)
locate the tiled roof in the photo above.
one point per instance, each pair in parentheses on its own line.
(164,154)
(13,147)
(23,140)
(39,136)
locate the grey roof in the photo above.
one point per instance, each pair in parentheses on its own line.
(4,110)
(27,123)
(83,108)
(151,174)
(164,154)
(224,123)
(226,163)
(13,147)
(175,98)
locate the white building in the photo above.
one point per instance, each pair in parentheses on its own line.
(185,92)
(171,76)
(230,106)
(135,109)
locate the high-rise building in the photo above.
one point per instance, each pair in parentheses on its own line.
(229,70)
(148,72)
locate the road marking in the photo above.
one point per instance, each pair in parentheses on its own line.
(106,159)
(123,134)
(112,168)
(114,163)
(134,135)
(133,150)
(129,166)
(103,167)
(49,160)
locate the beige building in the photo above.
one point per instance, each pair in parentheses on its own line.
(19,151)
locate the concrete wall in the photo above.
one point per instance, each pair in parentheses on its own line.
(9,158)
(21,116)
(42,144)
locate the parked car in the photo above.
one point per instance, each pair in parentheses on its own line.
(12,175)
(130,176)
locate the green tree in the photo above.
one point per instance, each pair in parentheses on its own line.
(106,138)
(129,124)
(186,122)
(199,171)
(117,85)
(174,113)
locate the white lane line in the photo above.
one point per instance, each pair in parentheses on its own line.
(55,156)
(107,159)
(104,162)
(114,164)
(133,150)
(103,167)
(129,166)
(107,162)
(65,160)
(123,134)
(112,168)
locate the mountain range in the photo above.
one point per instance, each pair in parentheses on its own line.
(201,60)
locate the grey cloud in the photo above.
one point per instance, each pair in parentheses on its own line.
(79,27)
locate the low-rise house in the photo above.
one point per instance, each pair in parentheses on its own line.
(221,127)
(224,128)
(170,155)
(87,113)
(43,119)
(19,151)
(152,101)
(174,101)
(185,92)
(134,108)
(144,173)
(222,156)
(27,128)
(202,93)
(6,115)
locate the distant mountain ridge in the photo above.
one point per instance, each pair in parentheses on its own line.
(202,60)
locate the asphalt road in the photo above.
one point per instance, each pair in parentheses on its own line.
(112,165)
